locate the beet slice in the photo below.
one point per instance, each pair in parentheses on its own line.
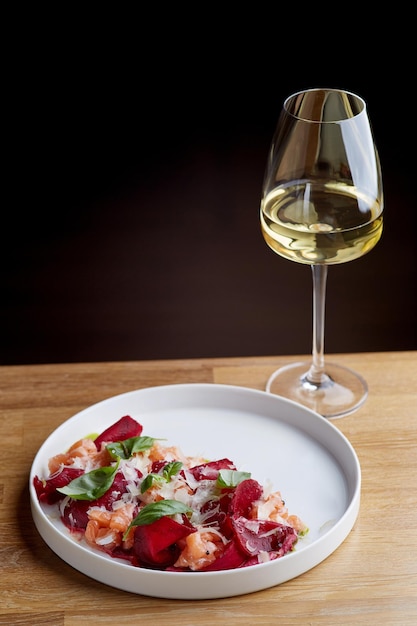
(210,471)
(47,490)
(245,494)
(114,493)
(74,514)
(125,428)
(231,558)
(255,536)
(155,545)
(216,513)
(157,466)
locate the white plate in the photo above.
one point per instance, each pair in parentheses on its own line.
(305,457)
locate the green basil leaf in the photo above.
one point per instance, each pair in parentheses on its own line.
(171,469)
(127,448)
(231,478)
(155,510)
(91,485)
(168,471)
(149,481)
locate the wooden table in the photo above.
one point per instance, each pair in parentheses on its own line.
(370,579)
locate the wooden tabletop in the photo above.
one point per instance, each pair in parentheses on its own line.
(370,579)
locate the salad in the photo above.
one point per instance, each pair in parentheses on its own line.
(134,498)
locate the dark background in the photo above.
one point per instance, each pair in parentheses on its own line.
(131,229)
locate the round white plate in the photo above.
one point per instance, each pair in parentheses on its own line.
(303,455)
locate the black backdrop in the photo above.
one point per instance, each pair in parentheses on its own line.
(133,182)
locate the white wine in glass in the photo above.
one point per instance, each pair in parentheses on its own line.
(322,204)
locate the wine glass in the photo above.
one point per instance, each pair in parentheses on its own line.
(322,204)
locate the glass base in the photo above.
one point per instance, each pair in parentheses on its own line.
(341,392)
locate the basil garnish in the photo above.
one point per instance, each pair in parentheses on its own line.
(231,478)
(155,510)
(171,469)
(168,471)
(127,448)
(91,485)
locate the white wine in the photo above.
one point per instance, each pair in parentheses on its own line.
(316,222)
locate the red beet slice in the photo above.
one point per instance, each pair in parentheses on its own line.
(155,544)
(210,471)
(216,512)
(157,466)
(246,493)
(125,428)
(255,536)
(231,558)
(115,492)
(74,514)
(47,490)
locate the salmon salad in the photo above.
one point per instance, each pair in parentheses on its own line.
(134,498)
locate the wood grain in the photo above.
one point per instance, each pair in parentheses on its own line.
(370,579)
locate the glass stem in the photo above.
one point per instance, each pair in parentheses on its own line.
(316,373)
